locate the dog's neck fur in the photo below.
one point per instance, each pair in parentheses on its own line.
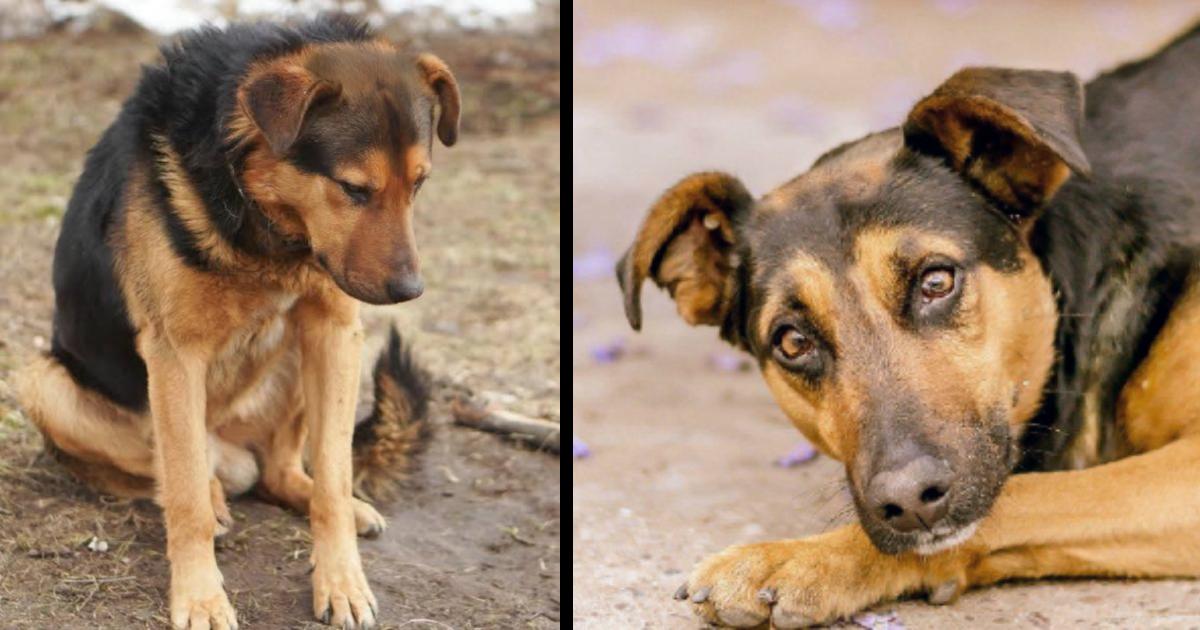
(1116,275)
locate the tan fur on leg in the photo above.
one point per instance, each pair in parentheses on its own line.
(177,406)
(1095,522)
(331,340)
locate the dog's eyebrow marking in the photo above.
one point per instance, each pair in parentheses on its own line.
(370,170)
(808,281)
(416,162)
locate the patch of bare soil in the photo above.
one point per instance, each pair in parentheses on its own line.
(474,539)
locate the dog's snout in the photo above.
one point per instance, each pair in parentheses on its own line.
(405,287)
(913,496)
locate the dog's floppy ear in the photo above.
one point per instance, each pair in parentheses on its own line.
(278,99)
(1014,133)
(686,244)
(437,75)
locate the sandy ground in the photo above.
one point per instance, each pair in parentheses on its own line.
(473,542)
(682,451)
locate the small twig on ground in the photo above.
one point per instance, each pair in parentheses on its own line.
(516,535)
(428,621)
(97,580)
(541,434)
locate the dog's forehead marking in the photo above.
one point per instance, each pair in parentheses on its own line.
(849,174)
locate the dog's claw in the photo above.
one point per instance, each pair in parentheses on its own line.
(768,595)
(681,592)
(701,595)
(945,593)
(326,616)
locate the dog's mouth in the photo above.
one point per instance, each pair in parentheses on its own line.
(942,538)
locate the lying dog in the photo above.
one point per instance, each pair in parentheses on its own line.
(1006,283)
(256,186)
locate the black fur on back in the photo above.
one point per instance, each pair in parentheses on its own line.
(1120,246)
(186,98)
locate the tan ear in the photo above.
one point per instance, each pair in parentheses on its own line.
(277,99)
(437,75)
(1014,133)
(686,245)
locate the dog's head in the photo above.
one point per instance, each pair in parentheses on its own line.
(890,294)
(340,141)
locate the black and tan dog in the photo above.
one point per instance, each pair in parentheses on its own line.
(256,186)
(1007,283)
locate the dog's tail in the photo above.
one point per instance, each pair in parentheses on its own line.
(394,432)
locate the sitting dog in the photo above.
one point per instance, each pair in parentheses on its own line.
(1009,282)
(258,184)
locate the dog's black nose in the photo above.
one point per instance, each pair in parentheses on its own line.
(913,496)
(405,288)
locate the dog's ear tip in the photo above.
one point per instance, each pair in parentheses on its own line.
(631,290)
(635,320)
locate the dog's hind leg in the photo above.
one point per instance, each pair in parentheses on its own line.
(234,471)
(104,444)
(285,479)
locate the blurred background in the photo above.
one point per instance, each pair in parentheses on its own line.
(680,450)
(475,541)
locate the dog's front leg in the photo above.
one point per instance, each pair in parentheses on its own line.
(798,583)
(177,405)
(331,345)
(1136,517)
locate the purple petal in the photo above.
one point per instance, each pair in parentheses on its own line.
(639,41)
(801,454)
(727,362)
(884,621)
(594,264)
(608,352)
(579,449)
(832,15)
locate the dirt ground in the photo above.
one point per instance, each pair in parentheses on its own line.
(682,449)
(474,541)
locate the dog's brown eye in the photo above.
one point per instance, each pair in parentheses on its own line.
(417,184)
(936,284)
(791,344)
(357,194)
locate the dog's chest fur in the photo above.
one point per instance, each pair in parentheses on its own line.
(254,376)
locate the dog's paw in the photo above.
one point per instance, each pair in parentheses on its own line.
(198,602)
(220,510)
(341,595)
(367,520)
(796,583)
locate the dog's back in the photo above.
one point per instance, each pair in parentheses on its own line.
(1141,117)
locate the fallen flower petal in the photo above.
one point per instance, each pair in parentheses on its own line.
(579,449)
(801,454)
(608,352)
